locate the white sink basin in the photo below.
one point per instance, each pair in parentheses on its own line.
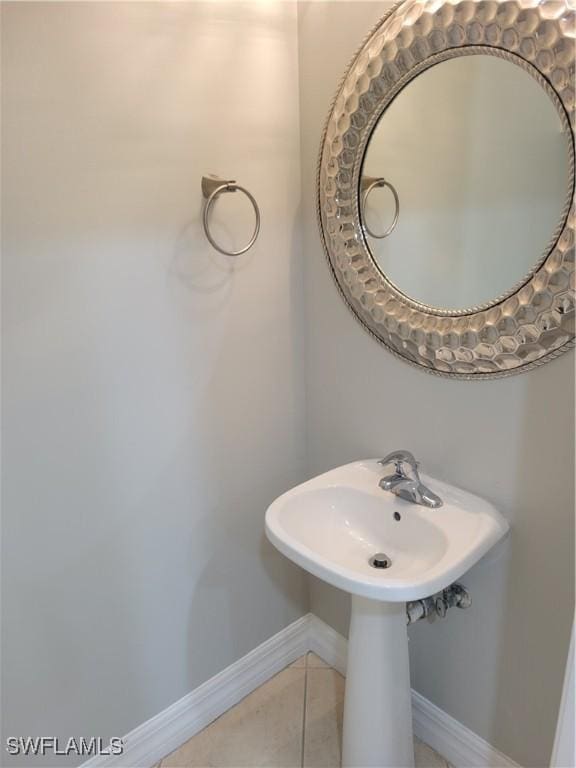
(332,526)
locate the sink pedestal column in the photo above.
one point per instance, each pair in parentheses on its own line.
(377,705)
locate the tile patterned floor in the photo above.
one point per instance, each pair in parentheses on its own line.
(293,720)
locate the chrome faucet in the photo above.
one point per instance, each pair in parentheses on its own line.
(407,486)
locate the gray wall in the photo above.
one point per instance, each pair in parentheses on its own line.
(152,389)
(498,667)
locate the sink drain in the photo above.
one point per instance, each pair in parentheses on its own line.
(380,560)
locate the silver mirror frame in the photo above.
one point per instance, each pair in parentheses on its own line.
(532,323)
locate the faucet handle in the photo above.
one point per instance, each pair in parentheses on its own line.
(399,458)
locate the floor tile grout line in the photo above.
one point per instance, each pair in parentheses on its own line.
(303,742)
(309,665)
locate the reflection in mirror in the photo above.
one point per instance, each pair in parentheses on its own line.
(480,160)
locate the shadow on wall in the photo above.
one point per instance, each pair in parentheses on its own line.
(536,622)
(497,667)
(199,266)
(153,391)
(227,542)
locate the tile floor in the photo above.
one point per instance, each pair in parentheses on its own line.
(295,719)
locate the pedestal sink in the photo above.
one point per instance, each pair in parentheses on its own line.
(332,526)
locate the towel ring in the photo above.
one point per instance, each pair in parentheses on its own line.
(211,188)
(369,184)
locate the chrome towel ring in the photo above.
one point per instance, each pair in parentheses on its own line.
(368,184)
(212,186)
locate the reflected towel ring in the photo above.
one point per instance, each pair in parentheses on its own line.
(369,184)
(212,186)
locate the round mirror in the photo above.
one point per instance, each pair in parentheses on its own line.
(477,168)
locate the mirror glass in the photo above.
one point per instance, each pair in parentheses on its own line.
(479,158)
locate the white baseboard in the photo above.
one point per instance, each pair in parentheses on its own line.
(147,744)
(150,742)
(458,744)
(327,643)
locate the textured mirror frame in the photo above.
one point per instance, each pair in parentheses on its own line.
(534,321)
